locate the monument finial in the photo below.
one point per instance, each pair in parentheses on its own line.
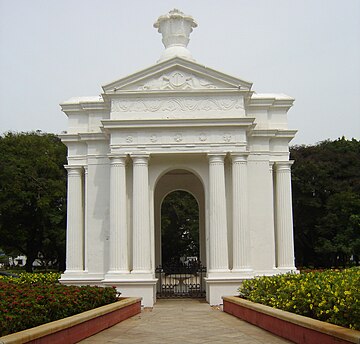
(175,28)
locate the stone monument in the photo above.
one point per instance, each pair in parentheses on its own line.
(177,125)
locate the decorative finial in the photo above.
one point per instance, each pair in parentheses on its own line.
(175,28)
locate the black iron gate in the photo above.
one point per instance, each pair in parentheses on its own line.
(181,280)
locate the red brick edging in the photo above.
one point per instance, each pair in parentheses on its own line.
(75,328)
(296,328)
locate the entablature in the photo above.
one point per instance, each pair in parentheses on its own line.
(270,101)
(178,105)
(99,136)
(85,104)
(115,124)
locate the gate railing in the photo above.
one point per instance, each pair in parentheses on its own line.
(181,280)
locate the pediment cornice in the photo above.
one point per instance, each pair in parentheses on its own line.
(110,124)
(178,75)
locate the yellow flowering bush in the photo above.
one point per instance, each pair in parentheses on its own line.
(331,296)
(31,278)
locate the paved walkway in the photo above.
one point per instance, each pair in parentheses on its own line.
(184,321)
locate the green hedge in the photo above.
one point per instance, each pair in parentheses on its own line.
(331,296)
(25,305)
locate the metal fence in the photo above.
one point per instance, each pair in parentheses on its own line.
(181,280)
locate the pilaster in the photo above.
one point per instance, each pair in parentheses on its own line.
(241,237)
(219,260)
(284,220)
(273,205)
(75,220)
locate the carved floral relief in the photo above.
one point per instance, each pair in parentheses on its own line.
(173,104)
(177,81)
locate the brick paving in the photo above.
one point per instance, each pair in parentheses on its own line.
(184,321)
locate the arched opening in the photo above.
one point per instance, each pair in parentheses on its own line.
(180,245)
(179,228)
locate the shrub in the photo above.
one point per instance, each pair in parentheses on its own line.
(331,296)
(31,278)
(25,305)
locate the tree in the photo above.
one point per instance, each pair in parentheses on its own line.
(326,188)
(179,227)
(33,196)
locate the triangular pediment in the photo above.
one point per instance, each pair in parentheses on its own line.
(176,74)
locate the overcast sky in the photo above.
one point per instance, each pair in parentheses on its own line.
(309,49)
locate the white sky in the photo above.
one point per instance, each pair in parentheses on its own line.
(310,49)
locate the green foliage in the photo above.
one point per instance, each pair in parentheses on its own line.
(331,296)
(26,305)
(326,203)
(33,196)
(179,226)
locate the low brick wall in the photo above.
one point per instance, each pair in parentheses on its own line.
(296,328)
(77,327)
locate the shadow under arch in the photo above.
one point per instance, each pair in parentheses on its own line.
(175,180)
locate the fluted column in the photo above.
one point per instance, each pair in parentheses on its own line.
(118,262)
(219,260)
(75,220)
(273,204)
(241,235)
(85,202)
(284,220)
(141,215)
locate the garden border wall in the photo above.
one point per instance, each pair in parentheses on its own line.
(77,327)
(296,328)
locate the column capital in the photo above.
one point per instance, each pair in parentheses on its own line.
(271,166)
(239,156)
(118,160)
(74,170)
(74,167)
(216,158)
(140,158)
(283,165)
(114,156)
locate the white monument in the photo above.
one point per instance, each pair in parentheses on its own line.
(177,125)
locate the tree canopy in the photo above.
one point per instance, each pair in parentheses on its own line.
(33,196)
(179,227)
(326,203)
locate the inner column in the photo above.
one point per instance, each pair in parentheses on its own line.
(141,215)
(118,258)
(219,260)
(284,220)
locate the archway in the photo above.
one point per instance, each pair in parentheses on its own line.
(180,234)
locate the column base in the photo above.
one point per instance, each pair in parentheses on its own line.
(242,273)
(116,275)
(216,288)
(218,272)
(144,288)
(81,278)
(284,270)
